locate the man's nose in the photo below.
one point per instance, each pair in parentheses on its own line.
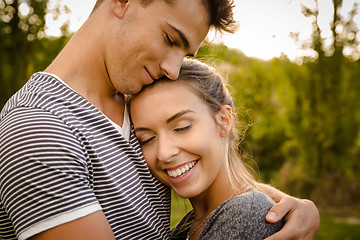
(171,64)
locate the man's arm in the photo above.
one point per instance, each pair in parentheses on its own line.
(45,181)
(91,227)
(302,218)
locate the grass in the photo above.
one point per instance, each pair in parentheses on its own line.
(334,226)
(339,223)
(332,229)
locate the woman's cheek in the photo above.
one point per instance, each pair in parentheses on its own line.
(149,158)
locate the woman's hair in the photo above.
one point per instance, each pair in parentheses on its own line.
(210,87)
(220,12)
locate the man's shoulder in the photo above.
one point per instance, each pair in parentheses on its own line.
(37,90)
(47,93)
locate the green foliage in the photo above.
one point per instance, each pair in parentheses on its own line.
(322,119)
(179,207)
(24,48)
(304,135)
(331,229)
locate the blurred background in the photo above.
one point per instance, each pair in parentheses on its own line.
(293,68)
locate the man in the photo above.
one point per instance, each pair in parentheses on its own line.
(71,168)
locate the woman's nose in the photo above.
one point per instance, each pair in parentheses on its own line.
(167,150)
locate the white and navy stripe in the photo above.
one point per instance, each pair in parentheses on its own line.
(61,158)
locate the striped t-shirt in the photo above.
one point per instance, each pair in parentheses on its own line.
(62,159)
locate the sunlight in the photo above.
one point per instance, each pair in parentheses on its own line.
(24,9)
(265,26)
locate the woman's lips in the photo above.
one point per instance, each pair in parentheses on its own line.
(182,173)
(182,170)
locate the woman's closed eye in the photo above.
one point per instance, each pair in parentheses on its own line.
(181,129)
(168,39)
(144,141)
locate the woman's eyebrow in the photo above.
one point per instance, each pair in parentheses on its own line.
(172,118)
(177,115)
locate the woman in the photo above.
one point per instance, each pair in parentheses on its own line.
(186,130)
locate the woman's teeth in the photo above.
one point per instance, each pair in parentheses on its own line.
(181,171)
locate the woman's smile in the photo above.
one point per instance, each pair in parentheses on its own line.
(181,170)
(180,138)
(181,173)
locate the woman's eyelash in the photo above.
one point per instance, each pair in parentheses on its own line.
(169,39)
(142,143)
(183,128)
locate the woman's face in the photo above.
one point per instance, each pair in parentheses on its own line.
(180,139)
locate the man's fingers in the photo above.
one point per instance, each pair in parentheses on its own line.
(285,233)
(279,210)
(302,219)
(290,230)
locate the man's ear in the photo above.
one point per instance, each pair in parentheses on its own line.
(224,118)
(119,7)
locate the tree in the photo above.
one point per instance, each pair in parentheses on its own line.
(24,46)
(323,117)
(304,118)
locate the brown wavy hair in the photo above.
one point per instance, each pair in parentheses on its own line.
(220,12)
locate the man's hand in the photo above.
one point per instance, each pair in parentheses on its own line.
(302,219)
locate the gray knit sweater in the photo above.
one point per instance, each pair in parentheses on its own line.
(241,217)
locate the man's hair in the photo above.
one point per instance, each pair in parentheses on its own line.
(221,13)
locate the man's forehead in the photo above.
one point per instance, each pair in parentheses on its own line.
(193,22)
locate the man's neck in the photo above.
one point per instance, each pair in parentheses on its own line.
(85,72)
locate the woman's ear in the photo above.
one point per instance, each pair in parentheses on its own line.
(224,118)
(119,7)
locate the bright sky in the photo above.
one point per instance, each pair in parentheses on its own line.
(264,30)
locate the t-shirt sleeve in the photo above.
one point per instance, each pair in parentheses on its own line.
(242,217)
(44,172)
(258,227)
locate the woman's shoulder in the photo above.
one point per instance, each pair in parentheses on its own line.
(253,197)
(242,217)
(251,202)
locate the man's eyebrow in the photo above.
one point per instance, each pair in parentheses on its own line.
(182,36)
(177,115)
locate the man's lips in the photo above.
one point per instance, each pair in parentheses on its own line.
(149,77)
